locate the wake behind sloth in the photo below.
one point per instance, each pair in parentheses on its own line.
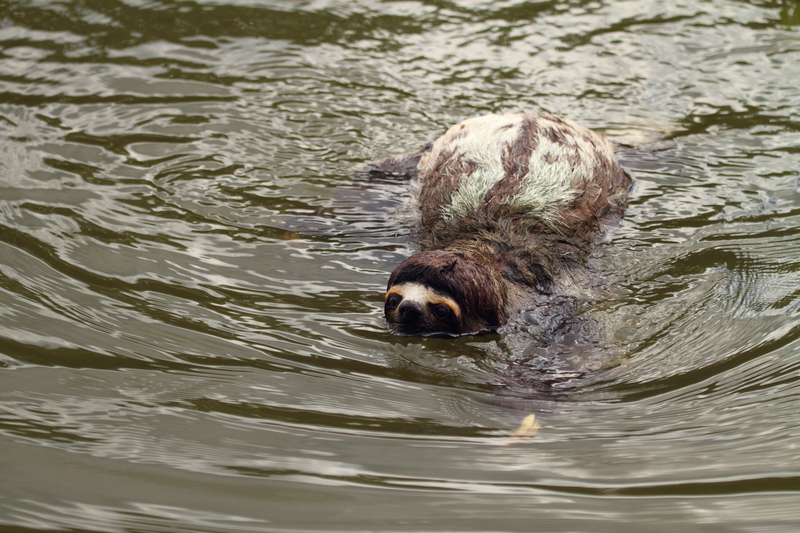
(508,210)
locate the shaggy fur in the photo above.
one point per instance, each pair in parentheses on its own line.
(509,209)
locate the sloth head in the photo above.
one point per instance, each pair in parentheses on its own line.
(444,293)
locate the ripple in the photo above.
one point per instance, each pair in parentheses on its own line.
(191,325)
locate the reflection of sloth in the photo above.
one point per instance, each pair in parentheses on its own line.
(509,208)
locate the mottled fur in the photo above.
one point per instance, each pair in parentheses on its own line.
(510,208)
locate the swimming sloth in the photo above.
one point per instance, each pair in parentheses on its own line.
(509,209)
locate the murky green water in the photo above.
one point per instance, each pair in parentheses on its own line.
(191,331)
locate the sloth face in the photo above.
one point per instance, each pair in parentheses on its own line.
(438,292)
(414,309)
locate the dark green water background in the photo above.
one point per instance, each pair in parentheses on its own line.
(191,336)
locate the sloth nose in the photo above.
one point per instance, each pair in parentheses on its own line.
(409,311)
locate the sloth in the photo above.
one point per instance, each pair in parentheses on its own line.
(508,210)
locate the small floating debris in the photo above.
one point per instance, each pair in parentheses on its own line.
(526,429)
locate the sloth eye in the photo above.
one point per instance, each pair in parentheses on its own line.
(393,300)
(441,311)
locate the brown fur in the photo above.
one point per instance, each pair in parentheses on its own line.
(499,257)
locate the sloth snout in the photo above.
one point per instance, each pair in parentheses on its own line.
(409,311)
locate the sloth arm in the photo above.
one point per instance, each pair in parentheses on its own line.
(402,167)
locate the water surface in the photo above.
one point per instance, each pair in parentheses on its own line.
(191,331)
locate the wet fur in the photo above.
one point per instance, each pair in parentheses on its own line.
(509,210)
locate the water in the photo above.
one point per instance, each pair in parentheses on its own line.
(191,335)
